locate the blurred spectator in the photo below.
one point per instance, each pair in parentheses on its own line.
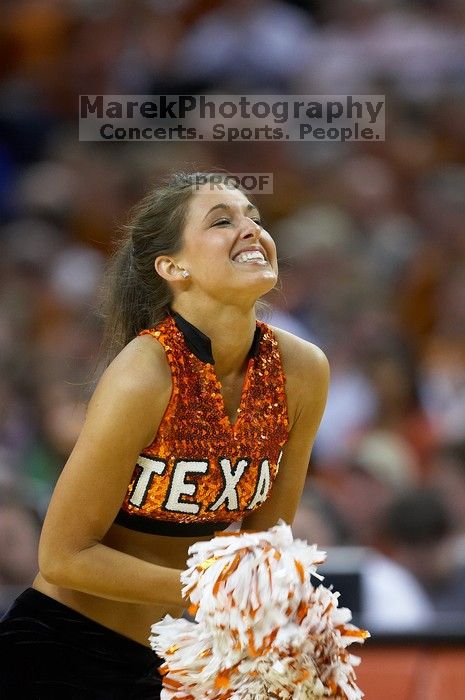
(317,521)
(383,595)
(415,531)
(398,407)
(288,323)
(393,601)
(61,420)
(350,405)
(447,477)
(19,537)
(255,44)
(378,465)
(443,369)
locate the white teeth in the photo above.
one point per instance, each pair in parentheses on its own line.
(250,255)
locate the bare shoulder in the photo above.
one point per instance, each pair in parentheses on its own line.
(138,379)
(141,364)
(300,357)
(307,375)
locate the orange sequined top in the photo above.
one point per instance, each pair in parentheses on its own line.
(201,472)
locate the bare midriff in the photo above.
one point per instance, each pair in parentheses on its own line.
(132,620)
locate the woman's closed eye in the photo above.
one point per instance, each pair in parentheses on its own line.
(223,222)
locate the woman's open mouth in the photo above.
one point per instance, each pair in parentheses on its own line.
(250,257)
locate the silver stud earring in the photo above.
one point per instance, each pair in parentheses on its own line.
(185,273)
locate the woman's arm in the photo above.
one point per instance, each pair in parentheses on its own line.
(122,418)
(307,380)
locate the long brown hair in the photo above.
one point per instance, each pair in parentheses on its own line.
(132,295)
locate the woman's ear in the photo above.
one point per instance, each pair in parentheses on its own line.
(166,268)
(169,270)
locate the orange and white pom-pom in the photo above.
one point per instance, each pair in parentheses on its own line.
(262,629)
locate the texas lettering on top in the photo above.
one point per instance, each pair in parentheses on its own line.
(201,468)
(184,483)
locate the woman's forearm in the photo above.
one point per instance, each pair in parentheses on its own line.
(106,572)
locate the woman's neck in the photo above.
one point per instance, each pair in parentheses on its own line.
(230,329)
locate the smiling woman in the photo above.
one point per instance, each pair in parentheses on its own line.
(203,417)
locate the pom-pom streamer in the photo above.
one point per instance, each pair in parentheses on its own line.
(262,629)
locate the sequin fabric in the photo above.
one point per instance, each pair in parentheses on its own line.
(190,472)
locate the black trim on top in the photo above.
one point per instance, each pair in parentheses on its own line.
(142,523)
(200,344)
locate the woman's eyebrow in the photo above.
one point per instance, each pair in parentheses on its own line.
(248,207)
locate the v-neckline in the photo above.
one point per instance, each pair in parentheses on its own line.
(243,396)
(199,346)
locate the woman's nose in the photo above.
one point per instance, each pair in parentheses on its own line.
(251,229)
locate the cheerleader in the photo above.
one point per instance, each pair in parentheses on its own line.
(204,416)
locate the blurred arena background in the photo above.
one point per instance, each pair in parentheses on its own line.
(371,242)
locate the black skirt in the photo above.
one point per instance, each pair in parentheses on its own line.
(50,652)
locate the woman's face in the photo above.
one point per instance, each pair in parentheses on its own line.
(221,225)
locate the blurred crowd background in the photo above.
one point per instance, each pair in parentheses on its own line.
(371,243)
